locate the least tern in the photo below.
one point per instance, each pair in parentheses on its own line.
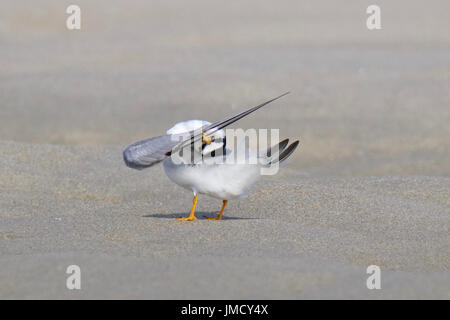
(222,180)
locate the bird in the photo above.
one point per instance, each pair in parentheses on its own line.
(195,156)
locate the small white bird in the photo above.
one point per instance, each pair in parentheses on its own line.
(222,179)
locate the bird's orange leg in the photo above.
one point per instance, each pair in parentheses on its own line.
(191,215)
(221,211)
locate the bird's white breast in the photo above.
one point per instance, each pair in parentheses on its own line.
(222,181)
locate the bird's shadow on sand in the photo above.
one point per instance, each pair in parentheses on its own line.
(199,215)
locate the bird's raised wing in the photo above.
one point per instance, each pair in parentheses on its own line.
(146,153)
(213,127)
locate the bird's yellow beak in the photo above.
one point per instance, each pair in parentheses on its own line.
(207,140)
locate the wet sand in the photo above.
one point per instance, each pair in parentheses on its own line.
(369,184)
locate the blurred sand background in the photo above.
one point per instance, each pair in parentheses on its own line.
(370,183)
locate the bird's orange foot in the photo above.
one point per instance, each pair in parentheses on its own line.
(187,219)
(219,217)
(191,215)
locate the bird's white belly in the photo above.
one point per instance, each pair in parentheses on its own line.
(224,181)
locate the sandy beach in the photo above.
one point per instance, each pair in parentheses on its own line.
(369,184)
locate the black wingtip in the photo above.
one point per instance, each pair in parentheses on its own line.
(223,123)
(280,96)
(218,125)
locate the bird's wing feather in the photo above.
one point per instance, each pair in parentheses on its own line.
(143,154)
(208,130)
(146,153)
